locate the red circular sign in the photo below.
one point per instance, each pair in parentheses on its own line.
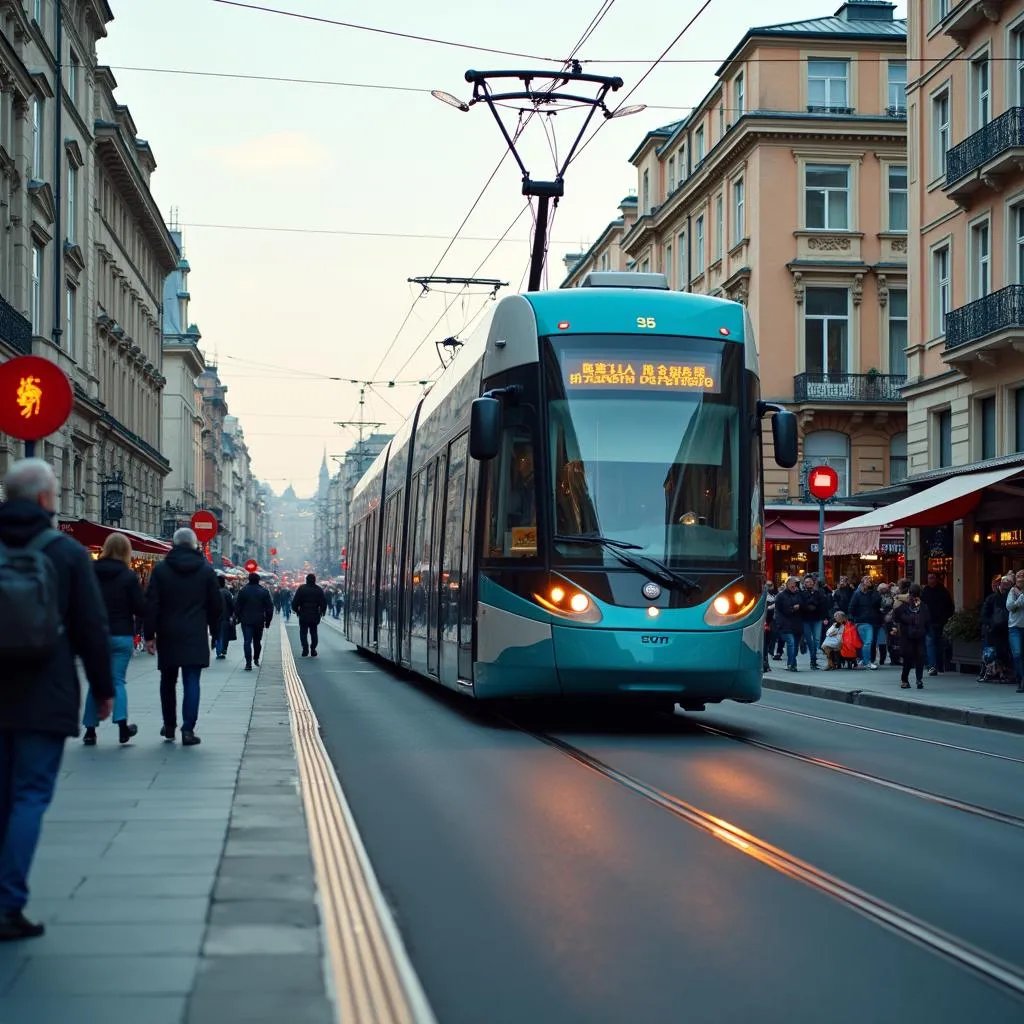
(251,565)
(823,482)
(204,526)
(35,398)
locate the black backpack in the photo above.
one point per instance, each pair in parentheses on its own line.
(30,618)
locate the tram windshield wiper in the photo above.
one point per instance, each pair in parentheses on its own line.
(651,567)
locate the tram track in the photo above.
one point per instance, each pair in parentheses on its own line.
(991,968)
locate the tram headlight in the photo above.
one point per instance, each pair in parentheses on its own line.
(729,605)
(568,602)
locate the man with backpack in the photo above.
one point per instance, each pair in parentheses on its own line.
(51,611)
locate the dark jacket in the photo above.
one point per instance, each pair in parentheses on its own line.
(183,605)
(913,623)
(939,602)
(122,595)
(309,603)
(254,606)
(995,619)
(814,605)
(787,615)
(47,698)
(866,608)
(841,599)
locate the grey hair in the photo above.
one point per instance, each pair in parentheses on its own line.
(185,538)
(29,480)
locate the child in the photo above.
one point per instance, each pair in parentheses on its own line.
(833,641)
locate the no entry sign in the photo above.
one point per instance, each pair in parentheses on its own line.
(204,526)
(35,398)
(251,566)
(823,482)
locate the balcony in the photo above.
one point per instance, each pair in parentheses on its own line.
(857,388)
(965,18)
(982,159)
(15,329)
(975,331)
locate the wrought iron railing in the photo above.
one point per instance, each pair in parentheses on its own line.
(15,329)
(1000,311)
(848,387)
(1004,133)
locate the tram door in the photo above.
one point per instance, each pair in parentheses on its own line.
(452,571)
(434,575)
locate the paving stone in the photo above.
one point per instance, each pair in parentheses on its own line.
(267,867)
(121,939)
(260,939)
(259,1008)
(294,913)
(140,910)
(266,847)
(261,889)
(91,975)
(97,1009)
(131,886)
(287,973)
(11,965)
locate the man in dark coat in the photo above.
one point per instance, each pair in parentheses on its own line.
(183,607)
(254,610)
(310,604)
(39,703)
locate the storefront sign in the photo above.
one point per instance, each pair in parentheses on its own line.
(892,547)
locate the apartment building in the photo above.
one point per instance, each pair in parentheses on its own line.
(786,189)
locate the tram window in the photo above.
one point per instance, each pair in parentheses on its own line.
(512,498)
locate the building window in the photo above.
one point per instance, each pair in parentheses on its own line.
(1018,419)
(1018,243)
(940,132)
(981,92)
(987,427)
(897,87)
(645,267)
(71,301)
(37,138)
(897,458)
(827,196)
(72,202)
(37,12)
(898,334)
(944,438)
(671,173)
(739,226)
(646,193)
(1018,59)
(826,331)
(981,261)
(830,448)
(828,84)
(940,289)
(73,64)
(684,270)
(37,289)
(681,164)
(669,265)
(741,99)
(699,144)
(898,197)
(698,256)
(719,226)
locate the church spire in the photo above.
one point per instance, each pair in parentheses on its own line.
(325,476)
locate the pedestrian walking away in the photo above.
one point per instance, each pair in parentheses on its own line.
(254,611)
(183,607)
(124,601)
(226,632)
(310,604)
(51,610)
(914,620)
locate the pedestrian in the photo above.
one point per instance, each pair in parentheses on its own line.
(888,602)
(123,600)
(254,610)
(788,620)
(51,611)
(310,604)
(813,611)
(914,620)
(183,607)
(226,632)
(940,607)
(865,611)
(1015,607)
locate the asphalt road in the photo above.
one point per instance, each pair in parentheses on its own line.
(530,888)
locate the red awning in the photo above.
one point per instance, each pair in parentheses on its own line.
(788,528)
(92,535)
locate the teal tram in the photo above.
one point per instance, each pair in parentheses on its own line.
(575,508)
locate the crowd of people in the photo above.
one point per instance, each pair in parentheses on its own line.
(57,605)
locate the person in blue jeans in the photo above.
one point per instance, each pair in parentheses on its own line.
(39,702)
(1015,606)
(254,610)
(183,609)
(124,600)
(940,608)
(865,612)
(788,606)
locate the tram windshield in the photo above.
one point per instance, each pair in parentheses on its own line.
(644,447)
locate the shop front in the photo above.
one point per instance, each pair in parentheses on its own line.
(146,551)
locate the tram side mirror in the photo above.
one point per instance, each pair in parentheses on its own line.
(485,429)
(784,437)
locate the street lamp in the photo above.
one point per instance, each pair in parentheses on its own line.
(452,101)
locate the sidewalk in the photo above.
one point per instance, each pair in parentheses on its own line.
(950,697)
(176,883)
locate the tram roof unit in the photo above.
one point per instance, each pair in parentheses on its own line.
(607,305)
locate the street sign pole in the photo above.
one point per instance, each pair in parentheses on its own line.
(821,541)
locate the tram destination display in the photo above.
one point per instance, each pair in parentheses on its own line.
(630,371)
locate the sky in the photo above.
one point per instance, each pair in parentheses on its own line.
(365,188)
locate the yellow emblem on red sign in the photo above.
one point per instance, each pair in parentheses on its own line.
(29,396)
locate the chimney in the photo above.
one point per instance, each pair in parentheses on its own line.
(867,10)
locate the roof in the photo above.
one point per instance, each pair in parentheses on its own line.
(664,132)
(875,25)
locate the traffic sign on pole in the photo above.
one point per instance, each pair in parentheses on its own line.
(204,526)
(823,482)
(252,565)
(35,398)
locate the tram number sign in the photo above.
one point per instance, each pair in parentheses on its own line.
(823,482)
(204,526)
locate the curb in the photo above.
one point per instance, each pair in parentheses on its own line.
(883,702)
